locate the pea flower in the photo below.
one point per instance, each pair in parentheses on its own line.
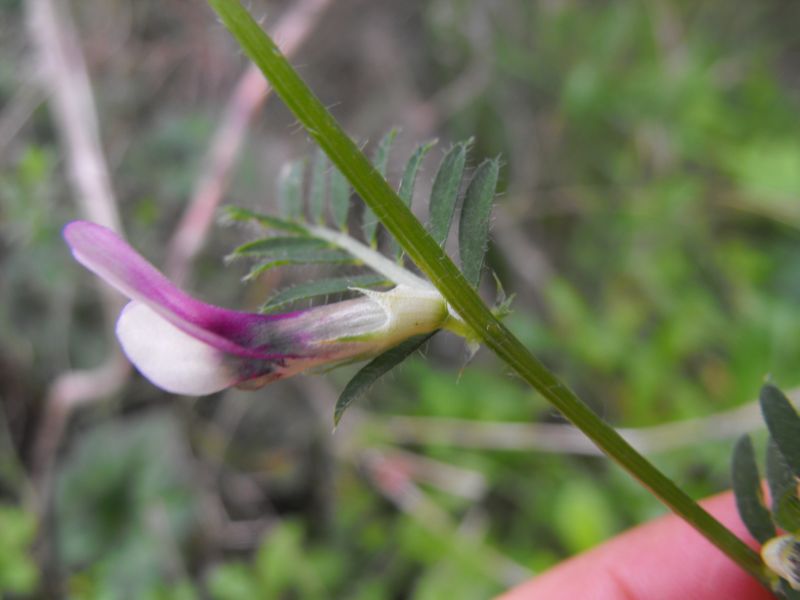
(782,555)
(186,346)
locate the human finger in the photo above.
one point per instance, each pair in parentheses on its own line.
(665,559)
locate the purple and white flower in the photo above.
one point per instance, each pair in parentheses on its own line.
(186,346)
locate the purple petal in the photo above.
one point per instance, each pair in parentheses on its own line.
(103,252)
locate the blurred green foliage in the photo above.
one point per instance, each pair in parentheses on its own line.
(653,161)
(667,195)
(18,572)
(125,508)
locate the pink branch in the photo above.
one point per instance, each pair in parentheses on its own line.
(249,95)
(64,75)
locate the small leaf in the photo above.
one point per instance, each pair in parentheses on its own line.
(782,488)
(381,158)
(233,214)
(444,193)
(280,246)
(779,476)
(783,423)
(406,190)
(319,177)
(747,489)
(380,161)
(319,258)
(473,229)
(290,189)
(374,370)
(787,511)
(284,251)
(340,198)
(322,287)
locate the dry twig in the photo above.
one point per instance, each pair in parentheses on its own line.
(18,110)
(394,483)
(565,439)
(64,74)
(249,95)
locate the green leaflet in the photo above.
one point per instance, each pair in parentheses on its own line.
(444,193)
(747,489)
(340,198)
(290,189)
(321,287)
(787,511)
(779,477)
(281,246)
(232,214)
(374,370)
(406,190)
(380,161)
(283,251)
(318,186)
(783,424)
(473,228)
(381,158)
(310,258)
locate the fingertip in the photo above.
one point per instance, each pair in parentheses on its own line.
(665,558)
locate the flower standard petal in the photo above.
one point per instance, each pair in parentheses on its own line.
(104,253)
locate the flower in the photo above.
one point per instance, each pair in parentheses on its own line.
(782,555)
(186,346)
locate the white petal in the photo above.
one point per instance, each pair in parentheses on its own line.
(171,359)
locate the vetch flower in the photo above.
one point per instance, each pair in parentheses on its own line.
(186,346)
(782,555)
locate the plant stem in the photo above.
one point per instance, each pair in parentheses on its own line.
(432,260)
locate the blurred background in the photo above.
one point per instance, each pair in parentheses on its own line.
(648,224)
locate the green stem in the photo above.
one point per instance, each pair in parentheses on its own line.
(432,260)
